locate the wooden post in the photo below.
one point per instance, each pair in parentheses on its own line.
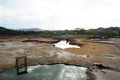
(20,64)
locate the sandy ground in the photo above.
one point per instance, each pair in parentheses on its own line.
(41,51)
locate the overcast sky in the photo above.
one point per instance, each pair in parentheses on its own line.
(59,14)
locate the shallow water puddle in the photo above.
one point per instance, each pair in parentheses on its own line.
(107,41)
(111,56)
(47,72)
(64,44)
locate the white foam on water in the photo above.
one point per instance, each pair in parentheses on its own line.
(64,44)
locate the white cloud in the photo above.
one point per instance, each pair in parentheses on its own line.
(61,14)
(5,12)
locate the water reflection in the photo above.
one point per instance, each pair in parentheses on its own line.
(47,72)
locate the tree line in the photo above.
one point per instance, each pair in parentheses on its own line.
(111,32)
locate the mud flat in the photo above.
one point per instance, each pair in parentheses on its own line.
(38,51)
(105,74)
